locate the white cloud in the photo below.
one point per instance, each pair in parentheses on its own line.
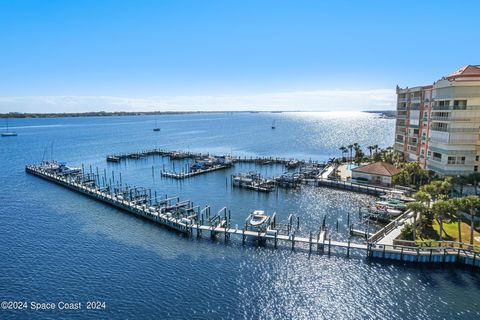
(320,100)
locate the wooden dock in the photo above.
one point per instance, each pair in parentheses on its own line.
(187,174)
(172,154)
(180,216)
(185,217)
(369,189)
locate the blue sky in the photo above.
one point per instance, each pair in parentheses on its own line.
(209,55)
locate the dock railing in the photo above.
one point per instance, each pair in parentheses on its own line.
(432,244)
(389,227)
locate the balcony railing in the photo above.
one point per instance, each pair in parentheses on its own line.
(440,118)
(454,118)
(439,129)
(468,107)
(442,107)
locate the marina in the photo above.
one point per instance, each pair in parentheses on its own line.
(81,230)
(176,155)
(185,217)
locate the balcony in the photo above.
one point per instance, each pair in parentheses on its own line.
(398,146)
(439,129)
(416,100)
(440,118)
(441,108)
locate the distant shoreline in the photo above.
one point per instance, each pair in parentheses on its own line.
(113,113)
(385,113)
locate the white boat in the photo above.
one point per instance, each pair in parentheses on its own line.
(257,218)
(394,204)
(397,195)
(394,213)
(156,127)
(8,133)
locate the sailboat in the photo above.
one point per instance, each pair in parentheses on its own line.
(8,133)
(156,127)
(273,124)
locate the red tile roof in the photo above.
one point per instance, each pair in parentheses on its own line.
(465,71)
(378,168)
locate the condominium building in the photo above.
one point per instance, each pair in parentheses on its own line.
(439,125)
(412,127)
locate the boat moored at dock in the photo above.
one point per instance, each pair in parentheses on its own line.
(253,181)
(257,220)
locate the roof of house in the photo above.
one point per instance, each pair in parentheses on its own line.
(465,71)
(378,168)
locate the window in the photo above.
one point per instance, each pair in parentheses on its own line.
(475,168)
(460,104)
(440,126)
(477,158)
(437,155)
(415,131)
(456,160)
(443,103)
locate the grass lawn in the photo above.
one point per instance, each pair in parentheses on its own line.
(450,232)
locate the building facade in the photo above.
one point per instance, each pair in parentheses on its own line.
(380,173)
(412,126)
(439,125)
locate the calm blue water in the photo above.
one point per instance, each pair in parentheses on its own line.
(351,166)
(60,246)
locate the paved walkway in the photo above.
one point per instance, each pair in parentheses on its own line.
(395,232)
(344,173)
(328,170)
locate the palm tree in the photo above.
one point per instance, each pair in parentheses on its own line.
(344,150)
(458,204)
(423,197)
(442,209)
(370,149)
(434,188)
(417,208)
(446,186)
(350,147)
(375,146)
(472,204)
(356,146)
